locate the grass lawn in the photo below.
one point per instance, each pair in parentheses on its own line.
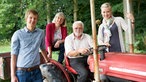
(5,48)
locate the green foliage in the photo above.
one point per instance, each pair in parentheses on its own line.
(140,30)
(12,14)
(5,22)
(85,16)
(140,42)
(117,9)
(11,18)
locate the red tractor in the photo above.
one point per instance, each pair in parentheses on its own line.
(124,66)
(116,67)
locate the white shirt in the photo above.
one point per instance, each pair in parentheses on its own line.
(57,35)
(71,43)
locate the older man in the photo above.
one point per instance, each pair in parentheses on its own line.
(77,44)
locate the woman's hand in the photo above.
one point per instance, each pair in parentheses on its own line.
(57,44)
(130,16)
(107,44)
(49,55)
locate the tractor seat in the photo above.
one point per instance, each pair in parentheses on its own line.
(68,66)
(73,71)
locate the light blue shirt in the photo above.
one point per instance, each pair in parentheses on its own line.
(26,45)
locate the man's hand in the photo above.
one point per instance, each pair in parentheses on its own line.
(83,50)
(14,79)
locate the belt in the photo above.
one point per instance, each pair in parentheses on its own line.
(28,69)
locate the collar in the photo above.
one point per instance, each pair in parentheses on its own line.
(26,30)
(109,21)
(81,36)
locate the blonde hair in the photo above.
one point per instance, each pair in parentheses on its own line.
(31,11)
(59,14)
(78,22)
(106,5)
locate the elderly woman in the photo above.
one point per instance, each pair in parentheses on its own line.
(56,32)
(110,31)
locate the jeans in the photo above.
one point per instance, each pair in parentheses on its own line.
(61,53)
(29,76)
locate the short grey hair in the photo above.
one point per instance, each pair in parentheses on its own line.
(78,22)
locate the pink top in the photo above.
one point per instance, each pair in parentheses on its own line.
(50,30)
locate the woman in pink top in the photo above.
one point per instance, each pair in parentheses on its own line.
(56,32)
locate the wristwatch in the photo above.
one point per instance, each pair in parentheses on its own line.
(79,54)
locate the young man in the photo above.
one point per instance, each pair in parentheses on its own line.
(25,45)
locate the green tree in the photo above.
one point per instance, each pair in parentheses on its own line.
(12,13)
